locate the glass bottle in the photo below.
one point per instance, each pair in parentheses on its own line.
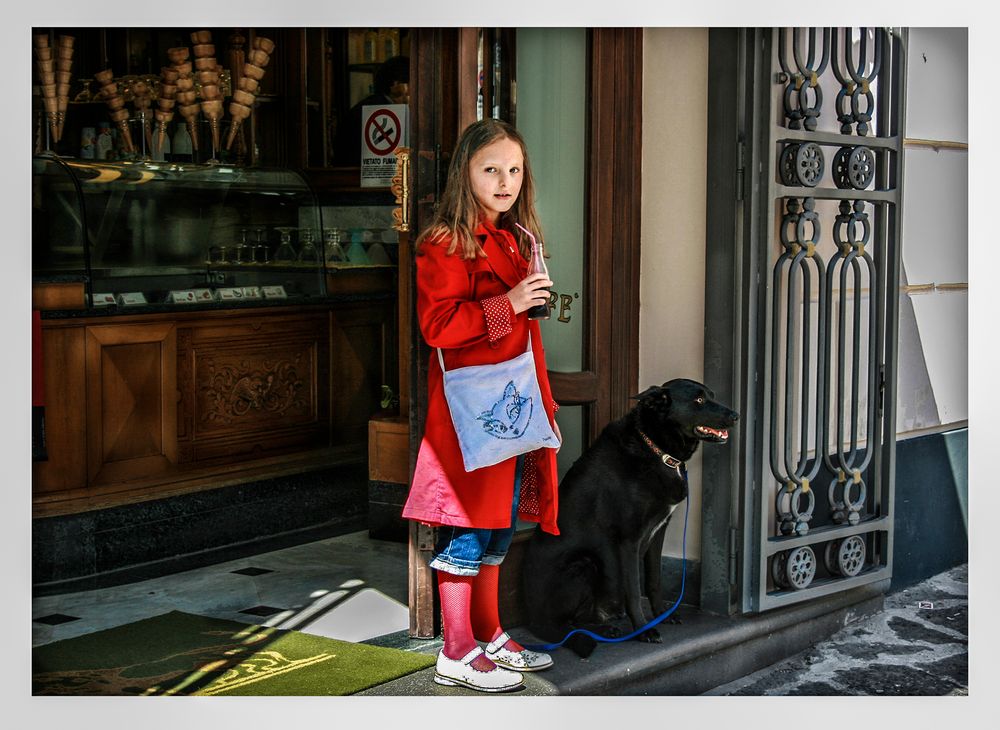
(537,266)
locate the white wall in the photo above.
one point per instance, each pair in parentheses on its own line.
(933,388)
(672,285)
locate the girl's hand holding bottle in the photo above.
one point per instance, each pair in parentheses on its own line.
(531,291)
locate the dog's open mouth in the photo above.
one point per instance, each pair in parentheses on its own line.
(712,434)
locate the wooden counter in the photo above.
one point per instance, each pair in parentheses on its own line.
(145,405)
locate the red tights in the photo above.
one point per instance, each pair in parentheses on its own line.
(470,611)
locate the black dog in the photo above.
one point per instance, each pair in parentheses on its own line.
(614,507)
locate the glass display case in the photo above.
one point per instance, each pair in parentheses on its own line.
(173,234)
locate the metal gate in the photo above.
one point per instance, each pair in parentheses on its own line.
(818,518)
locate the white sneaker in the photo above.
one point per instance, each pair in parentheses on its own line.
(522,661)
(451,672)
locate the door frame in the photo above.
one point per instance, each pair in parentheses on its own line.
(444,90)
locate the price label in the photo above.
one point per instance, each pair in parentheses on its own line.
(251,292)
(106,299)
(274,292)
(129,299)
(229,294)
(182,296)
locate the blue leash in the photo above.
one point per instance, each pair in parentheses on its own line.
(651,624)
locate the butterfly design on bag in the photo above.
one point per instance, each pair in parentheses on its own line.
(509,416)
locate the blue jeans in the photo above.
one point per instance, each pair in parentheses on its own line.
(461,550)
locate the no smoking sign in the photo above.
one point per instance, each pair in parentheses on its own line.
(383,132)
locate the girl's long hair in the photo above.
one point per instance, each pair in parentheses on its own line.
(458,214)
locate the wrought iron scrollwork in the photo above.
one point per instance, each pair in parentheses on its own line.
(800,233)
(856,81)
(800,110)
(852,233)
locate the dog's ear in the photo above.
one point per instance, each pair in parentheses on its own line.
(643,394)
(652,390)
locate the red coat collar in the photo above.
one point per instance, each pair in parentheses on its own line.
(502,255)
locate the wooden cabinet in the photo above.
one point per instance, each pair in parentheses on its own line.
(144,406)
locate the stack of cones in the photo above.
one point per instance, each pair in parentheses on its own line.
(47,83)
(64,66)
(243,96)
(54,75)
(185,95)
(165,102)
(116,104)
(208,71)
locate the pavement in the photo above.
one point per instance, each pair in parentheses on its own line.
(912,642)
(917,645)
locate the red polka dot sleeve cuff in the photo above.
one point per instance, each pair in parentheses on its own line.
(499,316)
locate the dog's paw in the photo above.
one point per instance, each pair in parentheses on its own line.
(650,636)
(676,620)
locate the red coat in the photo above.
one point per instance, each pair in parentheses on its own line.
(462,309)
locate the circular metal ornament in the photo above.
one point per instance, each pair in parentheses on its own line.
(851,556)
(800,569)
(861,167)
(841,163)
(786,164)
(809,164)
(778,564)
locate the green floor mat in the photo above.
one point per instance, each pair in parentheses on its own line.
(183,654)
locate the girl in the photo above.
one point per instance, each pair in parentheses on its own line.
(473,293)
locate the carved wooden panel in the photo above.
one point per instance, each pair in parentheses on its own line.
(252,386)
(131,401)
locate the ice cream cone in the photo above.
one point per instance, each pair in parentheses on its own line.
(204,50)
(120,118)
(238,112)
(248,84)
(201,36)
(207,77)
(213,112)
(258,57)
(264,44)
(44,53)
(210,92)
(61,108)
(243,97)
(179,54)
(190,114)
(252,71)
(41,40)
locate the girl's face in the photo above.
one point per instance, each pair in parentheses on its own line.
(496,172)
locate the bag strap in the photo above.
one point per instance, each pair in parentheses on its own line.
(441,357)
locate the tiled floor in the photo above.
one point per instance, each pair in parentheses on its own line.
(347,587)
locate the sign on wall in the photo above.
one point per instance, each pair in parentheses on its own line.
(383,131)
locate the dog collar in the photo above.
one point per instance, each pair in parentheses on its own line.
(672,462)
